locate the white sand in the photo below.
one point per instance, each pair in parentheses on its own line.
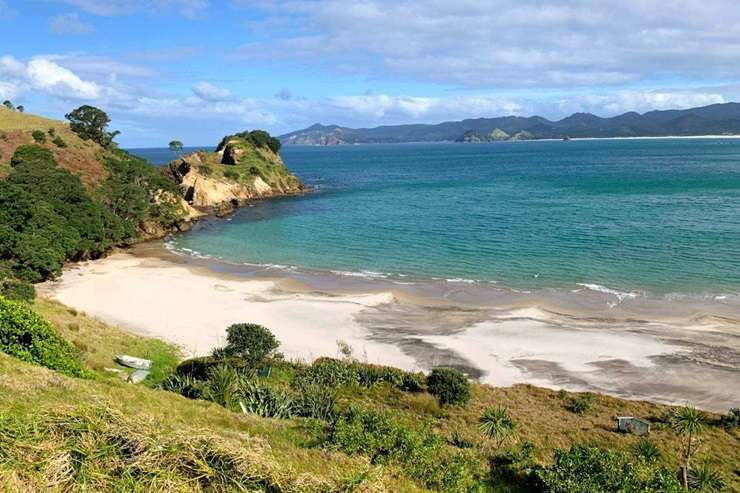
(193,309)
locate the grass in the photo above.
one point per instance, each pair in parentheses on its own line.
(169,430)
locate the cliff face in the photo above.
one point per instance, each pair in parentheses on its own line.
(236,174)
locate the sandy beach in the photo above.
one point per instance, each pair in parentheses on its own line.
(514,341)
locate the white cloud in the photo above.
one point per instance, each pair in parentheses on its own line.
(211,92)
(69,24)
(503,44)
(55,80)
(640,101)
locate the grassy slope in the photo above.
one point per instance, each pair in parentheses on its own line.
(34,397)
(79,157)
(542,415)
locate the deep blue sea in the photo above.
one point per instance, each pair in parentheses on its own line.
(654,216)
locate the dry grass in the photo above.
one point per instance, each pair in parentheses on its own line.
(79,157)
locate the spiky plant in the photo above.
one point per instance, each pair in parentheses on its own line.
(647,451)
(687,422)
(222,386)
(497,425)
(706,478)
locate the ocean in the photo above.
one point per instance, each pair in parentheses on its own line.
(641,217)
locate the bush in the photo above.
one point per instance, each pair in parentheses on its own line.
(334,372)
(731,419)
(262,400)
(231,174)
(51,132)
(28,337)
(205,170)
(449,386)
(17,290)
(38,136)
(593,470)
(315,401)
(183,385)
(421,454)
(582,404)
(252,342)
(222,386)
(199,368)
(59,142)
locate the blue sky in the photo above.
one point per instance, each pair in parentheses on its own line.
(198,69)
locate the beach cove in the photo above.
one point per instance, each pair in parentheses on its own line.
(633,350)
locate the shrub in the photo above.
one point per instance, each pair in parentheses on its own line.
(421,454)
(38,136)
(183,385)
(28,337)
(731,419)
(647,451)
(59,142)
(231,174)
(334,372)
(205,170)
(497,425)
(582,404)
(261,399)
(222,386)
(15,289)
(199,368)
(593,470)
(253,170)
(449,386)
(51,132)
(706,478)
(315,401)
(250,341)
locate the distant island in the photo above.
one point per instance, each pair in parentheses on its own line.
(715,119)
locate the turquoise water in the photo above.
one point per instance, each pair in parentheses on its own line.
(656,216)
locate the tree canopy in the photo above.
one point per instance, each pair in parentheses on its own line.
(91,123)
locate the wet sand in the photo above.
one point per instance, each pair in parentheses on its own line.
(667,350)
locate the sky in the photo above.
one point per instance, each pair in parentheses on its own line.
(195,70)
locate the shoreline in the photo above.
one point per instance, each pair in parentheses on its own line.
(633,350)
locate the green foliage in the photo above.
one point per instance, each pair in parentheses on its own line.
(91,123)
(175,146)
(731,420)
(333,372)
(183,385)
(222,386)
(706,478)
(51,132)
(497,425)
(593,470)
(315,401)
(138,193)
(647,451)
(28,337)
(582,404)
(258,138)
(47,217)
(252,342)
(17,290)
(421,454)
(449,386)
(8,104)
(59,142)
(38,136)
(205,170)
(231,174)
(258,398)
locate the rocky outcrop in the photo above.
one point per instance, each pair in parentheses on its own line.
(218,183)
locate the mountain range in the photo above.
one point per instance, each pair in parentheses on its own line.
(715,119)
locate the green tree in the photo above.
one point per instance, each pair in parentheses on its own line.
(20,109)
(497,425)
(8,104)
(91,123)
(687,422)
(176,146)
(449,386)
(250,341)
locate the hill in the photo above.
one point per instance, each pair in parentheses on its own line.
(67,193)
(338,425)
(716,119)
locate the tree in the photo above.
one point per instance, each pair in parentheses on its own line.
(91,123)
(20,109)
(250,341)
(176,146)
(497,425)
(8,105)
(449,386)
(687,421)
